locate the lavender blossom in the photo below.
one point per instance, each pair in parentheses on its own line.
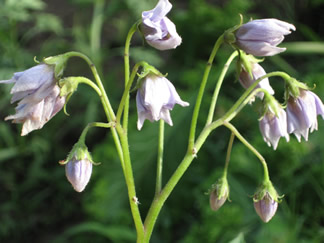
(273,127)
(155,98)
(261,37)
(257,72)
(158,30)
(39,97)
(78,172)
(302,113)
(266,207)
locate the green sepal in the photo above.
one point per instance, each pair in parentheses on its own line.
(271,103)
(59,62)
(147,69)
(293,87)
(221,188)
(229,35)
(265,188)
(246,61)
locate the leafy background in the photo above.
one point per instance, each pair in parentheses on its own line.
(37,204)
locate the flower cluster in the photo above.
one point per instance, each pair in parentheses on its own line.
(260,38)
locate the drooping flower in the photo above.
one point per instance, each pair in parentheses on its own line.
(266,201)
(157,29)
(257,72)
(218,194)
(261,37)
(39,97)
(155,98)
(302,113)
(78,173)
(274,126)
(266,207)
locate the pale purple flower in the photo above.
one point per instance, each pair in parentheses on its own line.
(78,173)
(266,207)
(155,98)
(38,95)
(158,30)
(261,37)
(273,127)
(302,113)
(257,72)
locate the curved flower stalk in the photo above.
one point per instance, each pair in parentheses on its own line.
(39,97)
(155,98)
(274,126)
(302,113)
(247,79)
(157,29)
(261,37)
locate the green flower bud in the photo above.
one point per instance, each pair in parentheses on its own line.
(218,194)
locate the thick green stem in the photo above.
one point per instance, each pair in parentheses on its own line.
(159,159)
(126,63)
(218,86)
(195,114)
(251,148)
(133,200)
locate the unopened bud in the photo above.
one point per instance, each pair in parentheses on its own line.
(266,207)
(218,194)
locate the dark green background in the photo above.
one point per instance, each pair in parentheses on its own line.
(37,204)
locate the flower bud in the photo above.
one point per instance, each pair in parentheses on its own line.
(78,173)
(266,201)
(266,207)
(218,194)
(78,166)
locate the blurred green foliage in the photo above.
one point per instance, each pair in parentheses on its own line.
(37,204)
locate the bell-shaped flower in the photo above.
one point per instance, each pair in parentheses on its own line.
(257,71)
(266,201)
(39,97)
(157,29)
(302,113)
(78,172)
(273,126)
(261,37)
(155,98)
(218,194)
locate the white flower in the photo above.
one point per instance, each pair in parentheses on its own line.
(158,30)
(155,98)
(38,95)
(273,127)
(302,113)
(260,37)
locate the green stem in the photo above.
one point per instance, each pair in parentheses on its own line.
(218,86)
(159,159)
(133,201)
(104,100)
(96,27)
(126,91)
(228,154)
(126,63)
(94,124)
(193,126)
(251,148)
(87,81)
